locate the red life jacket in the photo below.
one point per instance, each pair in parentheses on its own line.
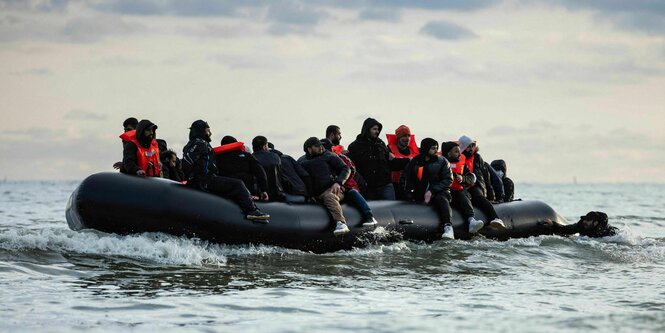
(229,147)
(392,145)
(146,158)
(457,168)
(350,183)
(338,149)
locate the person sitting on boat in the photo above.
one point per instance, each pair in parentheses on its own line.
(373,161)
(496,183)
(402,144)
(140,155)
(295,179)
(333,138)
(478,190)
(351,189)
(327,173)
(593,224)
(427,178)
(198,164)
(233,161)
(272,165)
(462,178)
(508,186)
(128,125)
(171,165)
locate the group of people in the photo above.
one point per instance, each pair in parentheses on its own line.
(453,176)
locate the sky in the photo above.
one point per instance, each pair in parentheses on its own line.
(562,90)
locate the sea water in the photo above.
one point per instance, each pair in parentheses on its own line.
(56,279)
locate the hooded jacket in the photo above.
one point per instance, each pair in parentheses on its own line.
(508,186)
(198,159)
(371,156)
(325,170)
(130,151)
(436,177)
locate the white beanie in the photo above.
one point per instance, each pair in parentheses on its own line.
(464,142)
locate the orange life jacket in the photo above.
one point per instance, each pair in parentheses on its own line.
(392,145)
(146,158)
(457,168)
(229,147)
(338,149)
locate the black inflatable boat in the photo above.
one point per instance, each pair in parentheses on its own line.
(122,204)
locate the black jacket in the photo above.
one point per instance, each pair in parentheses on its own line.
(198,159)
(508,185)
(602,230)
(243,166)
(371,156)
(272,165)
(129,161)
(325,170)
(482,175)
(497,185)
(174,173)
(436,177)
(295,178)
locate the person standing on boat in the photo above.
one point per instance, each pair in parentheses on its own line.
(328,173)
(272,165)
(233,161)
(373,160)
(198,164)
(352,191)
(140,155)
(478,190)
(427,178)
(462,178)
(402,144)
(128,125)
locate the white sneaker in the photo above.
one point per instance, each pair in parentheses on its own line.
(341,229)
(370,222)
(475,225)
(497,223)
(448,232)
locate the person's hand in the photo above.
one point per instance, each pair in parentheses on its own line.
(428,196)
(264,196)
(391,156)
(117,165)
(459,178)
(335,188)
(254,198)
(140,173)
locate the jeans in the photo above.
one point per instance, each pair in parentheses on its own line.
(385,192)
(356,199)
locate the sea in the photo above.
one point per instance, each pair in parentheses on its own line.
(53,279)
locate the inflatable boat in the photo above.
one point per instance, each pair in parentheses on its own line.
(117,203)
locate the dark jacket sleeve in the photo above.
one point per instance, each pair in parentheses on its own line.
(496,183)
(509,189)
(341,169)
(193,160)
(408,179)
(129,161)
(568,229)
(257,170)
(445,179)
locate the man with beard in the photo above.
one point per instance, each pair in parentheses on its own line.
(333,139)
(128,125)
(478,190)
(140,155)
(373,159)
(401,144)
(328,173)
(198,164)
(428,179)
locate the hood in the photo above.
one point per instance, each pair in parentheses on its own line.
(426,144)
(499,165)
(327,144)
(141,128)
(198,131)
(369,123)
(161,144)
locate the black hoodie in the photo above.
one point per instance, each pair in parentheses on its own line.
(436,176)
(198,159)
(129,161)
(371,156)
(508,185)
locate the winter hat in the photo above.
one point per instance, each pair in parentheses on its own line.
(199,124)
(401,131)
(228,139)
(446,147)
(313,141)
(327,144)
(464,142)
(426,144)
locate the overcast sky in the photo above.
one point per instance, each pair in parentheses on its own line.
(559,89)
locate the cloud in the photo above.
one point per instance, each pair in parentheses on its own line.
(646,16)
(92,29)
(379,14)
(83,115)
(446,31)
(460,5)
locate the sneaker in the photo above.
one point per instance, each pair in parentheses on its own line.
(448,232)
(370,222)
(497,223)
(258,216)
(475,225)
(341,229)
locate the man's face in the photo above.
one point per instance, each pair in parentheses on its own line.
(374,132)
(149,133)
(129,128)
(403,142)
(433,150)
(454,153)
(336,137)
(315,150)
(172,161)
(589,224)
(470,148)
(208,133)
